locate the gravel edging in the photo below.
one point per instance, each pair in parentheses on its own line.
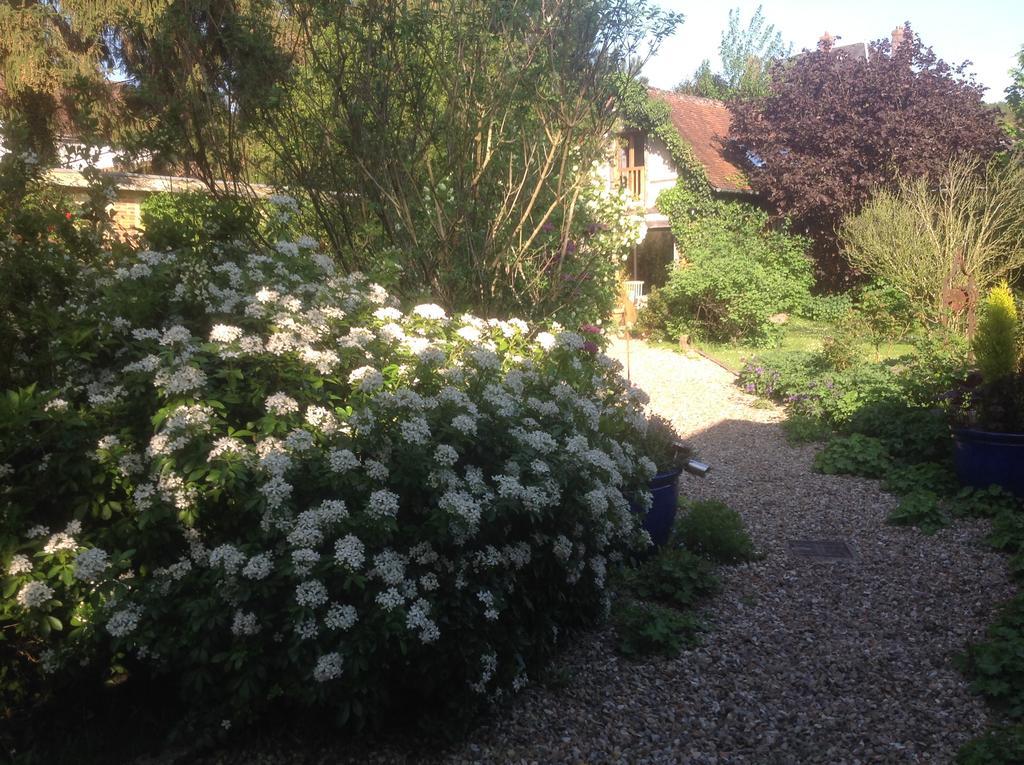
(806,661)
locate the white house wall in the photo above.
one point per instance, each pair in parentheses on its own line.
(661,173)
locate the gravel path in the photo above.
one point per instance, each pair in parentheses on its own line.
(806,661)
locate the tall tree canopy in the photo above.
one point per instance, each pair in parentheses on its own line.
(458,136)
(836,127)
(1015,99)
(746,54)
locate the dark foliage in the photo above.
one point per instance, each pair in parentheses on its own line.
(835,127)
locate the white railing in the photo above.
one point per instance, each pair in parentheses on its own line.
(635,290)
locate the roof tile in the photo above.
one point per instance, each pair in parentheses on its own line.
(704,124)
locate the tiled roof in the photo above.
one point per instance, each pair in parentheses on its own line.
(704,124)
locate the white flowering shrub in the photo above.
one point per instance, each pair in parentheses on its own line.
(265,482)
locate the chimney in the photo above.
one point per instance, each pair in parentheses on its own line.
(898,36)
(826,42)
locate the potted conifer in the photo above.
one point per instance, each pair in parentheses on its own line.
(988,408)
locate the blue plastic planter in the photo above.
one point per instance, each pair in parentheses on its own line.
(661,516)
(984,458)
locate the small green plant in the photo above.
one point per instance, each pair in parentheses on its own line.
(674,577)
(924,476)
(644,629)
(805,428)
(885,313)
(854,455)
(914,433)
(921,509)
(998,746)
(841,348)
(1016,567)
(995,342)
(983,503)
(556,678)
(713,530)
(997,664)
(1007,533)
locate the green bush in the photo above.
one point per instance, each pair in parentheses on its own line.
(984,503)
(854,455)
(264,485)
(885,312)
(840,350)
(49,244)
(1007,534)
(673,577)
(715,531)
(193,219)
(777,375)
(913,433)
(938,365)
(735,275)
(923,476)
(827,309)
(643,629)
(662,444)
(808,386)
(655,319)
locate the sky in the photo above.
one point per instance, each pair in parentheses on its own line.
(989,33)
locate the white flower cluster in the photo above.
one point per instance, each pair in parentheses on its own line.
(328,667)
(90,564)
(124,622)
(34,594)
(351,467)
(20,564)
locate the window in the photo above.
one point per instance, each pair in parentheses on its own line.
(631,153)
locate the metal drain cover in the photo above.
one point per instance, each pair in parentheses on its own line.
(829,549)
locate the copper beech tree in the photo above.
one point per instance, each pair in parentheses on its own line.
(837,126)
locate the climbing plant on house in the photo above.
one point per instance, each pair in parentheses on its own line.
(736,270)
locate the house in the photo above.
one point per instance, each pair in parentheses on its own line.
(643,166)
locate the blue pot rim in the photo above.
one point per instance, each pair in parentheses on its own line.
(973,435)
(668,473)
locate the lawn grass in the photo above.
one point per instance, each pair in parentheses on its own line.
(799,334)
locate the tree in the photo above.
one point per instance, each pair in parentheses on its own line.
(451,142)
(53,58)
(194,69)
(939,244)
(835,128)
(746,55)
(705,83)
(1015,99)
